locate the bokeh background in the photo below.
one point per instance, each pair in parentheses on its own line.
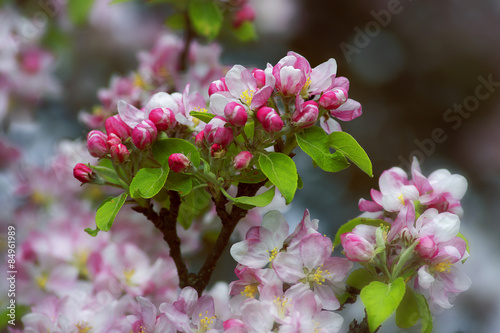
(417,67)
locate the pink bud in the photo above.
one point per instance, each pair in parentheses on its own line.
(97,143)
(216,132)
(236,114)
(116,125)
(217,151)
(199,139)
(163,118)
(242,160)
(144,134)
(245,13)
(178,162)
(83,173)
(113,140)
(426,248)
(216,86)
(260,77)
(270,119)
(356,248)
(119,153)
(334,98)
(307,116)
(31,60)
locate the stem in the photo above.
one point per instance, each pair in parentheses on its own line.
(188,37)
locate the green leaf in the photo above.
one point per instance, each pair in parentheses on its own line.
(162,149)
(260,200)
(179,182)
(282,172)
(314,142)
(425,313)
(300,184)
(360,278)
(78,10)
(407,313)
(467,248)
(381,300)
(250,176)
(206,17)
(345,143)
(92,232)
(176,21)
(148,181)
(117,1)
(203,116)
(192,205)
(107,211)
(347,227)
(246,32)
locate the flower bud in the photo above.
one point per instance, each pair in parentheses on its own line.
(260,77)
(236,114)
(116,125)
(83,173)
(356,248)
(217,151)
(113,140)
(178,162)
(426,248)
(163,118)
(242,160)
(307,116)
(97,143)
(334,98)
(270,119)
(119,153)
(216,132)
(216,86)
(245,13)
(199,139)
(144,134)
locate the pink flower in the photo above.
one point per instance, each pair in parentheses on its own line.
(144,134)
(306,113)
(97,143)
(242,160)
(179,162)
(359,245)
(269,119)
(245,13)
(334,98)
(236,114)
(117,126)
(216,132)
(217,86)
(163,118)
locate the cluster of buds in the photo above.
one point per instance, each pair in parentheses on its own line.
(423,220)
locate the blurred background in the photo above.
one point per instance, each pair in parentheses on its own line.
(427,74)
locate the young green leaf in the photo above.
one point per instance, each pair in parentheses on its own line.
(467,248)
(407,313)
(179,182)
(360,278)
(176,21)
(314,142)
(203,116)
(162,149)
(78,10)
(425,313)
(107,211)
(206,17)
(192,205)
(345,143)
(260,200)
(148,182)
(347,227)
(250,176)
(381,300)
(282,172)
(246,32)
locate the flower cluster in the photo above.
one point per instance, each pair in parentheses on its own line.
(423,241)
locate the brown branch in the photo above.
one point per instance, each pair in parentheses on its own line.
(189,35)
(361,327)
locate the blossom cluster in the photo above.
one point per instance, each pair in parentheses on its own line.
(423,215)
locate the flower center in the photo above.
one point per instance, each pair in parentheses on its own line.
(281,305)
(129,273)
(303,91)
(139,81)
(250,291)
(83,327)
(317,275)
(195,120)
(401,199)
(443,267)
(41,280)
(206,322)
(272,254)
(247,96)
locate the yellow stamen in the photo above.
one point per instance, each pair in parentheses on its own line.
(303,91)
(281,305)
(250,291)
(318,275)
(272,254)
(196,121)
(82,327)
(206,322)
(247,96)
(401,199)
(41,280)
(444,266)
(129,273)
(139,81)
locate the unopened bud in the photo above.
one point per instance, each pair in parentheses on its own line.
(356,248)
(144,134)
(97,143)
(199,139)
(163,118)
(217,151)
(113,140)
(85,174)
(270,119)
(216,86)
(307,116)
(216,132)
(236,114)
(426,248)
(242,160)
(119,153)
(116,125)
(178,162)
(245,13)
(334,98)
(260,77)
